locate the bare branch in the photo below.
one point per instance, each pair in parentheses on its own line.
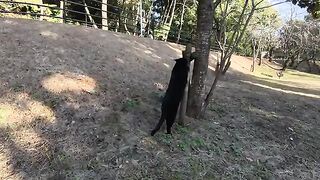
(271,5)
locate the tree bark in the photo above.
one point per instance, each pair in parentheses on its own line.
(104,14)
(204,32)
(227,66)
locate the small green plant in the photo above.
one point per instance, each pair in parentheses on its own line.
(191,143)
(183,146)
(166,139)
(130,104)
(197,143)
(182,130)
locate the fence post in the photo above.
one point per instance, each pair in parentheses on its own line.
(183,104)
(140,18)
(62,10)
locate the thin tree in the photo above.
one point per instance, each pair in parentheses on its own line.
(172,15)
(226,53)
(181,20)
(89,15)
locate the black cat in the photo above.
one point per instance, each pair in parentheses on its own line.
(174,94)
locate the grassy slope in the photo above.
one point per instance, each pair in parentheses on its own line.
(79,103)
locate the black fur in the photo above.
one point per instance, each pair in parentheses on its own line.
(174,94)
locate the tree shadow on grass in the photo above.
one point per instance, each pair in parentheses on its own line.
(99,93)
(276,128)
(101,132)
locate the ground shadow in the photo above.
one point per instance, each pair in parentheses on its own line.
(105,99)
(54,65)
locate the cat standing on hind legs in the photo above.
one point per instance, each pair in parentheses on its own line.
(174,94)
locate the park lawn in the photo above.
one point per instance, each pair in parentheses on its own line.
(79,103)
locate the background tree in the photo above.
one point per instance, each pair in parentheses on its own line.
(262,32)
(300,43)
(313,6)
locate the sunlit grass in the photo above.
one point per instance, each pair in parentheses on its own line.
(58,83)
(290,77)
(3,115)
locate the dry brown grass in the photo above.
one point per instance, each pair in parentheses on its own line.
(58,83)
(78,103)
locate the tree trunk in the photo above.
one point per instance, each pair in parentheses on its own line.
(181,20)
(292,61)
(254,54)
(309,67)
(226,67)
(171,17)
(316,65)
(134,11)
(260,56)
(104,14)
(125,25)
(204,31)
(120,24)
(164,14)
(168,12)
(88,13)
(270,54)
(215,82)
(285,65)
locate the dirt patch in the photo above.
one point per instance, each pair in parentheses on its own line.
(78,103)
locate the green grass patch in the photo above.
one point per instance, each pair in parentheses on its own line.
(165,139)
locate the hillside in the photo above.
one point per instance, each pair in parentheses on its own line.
(78,103)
